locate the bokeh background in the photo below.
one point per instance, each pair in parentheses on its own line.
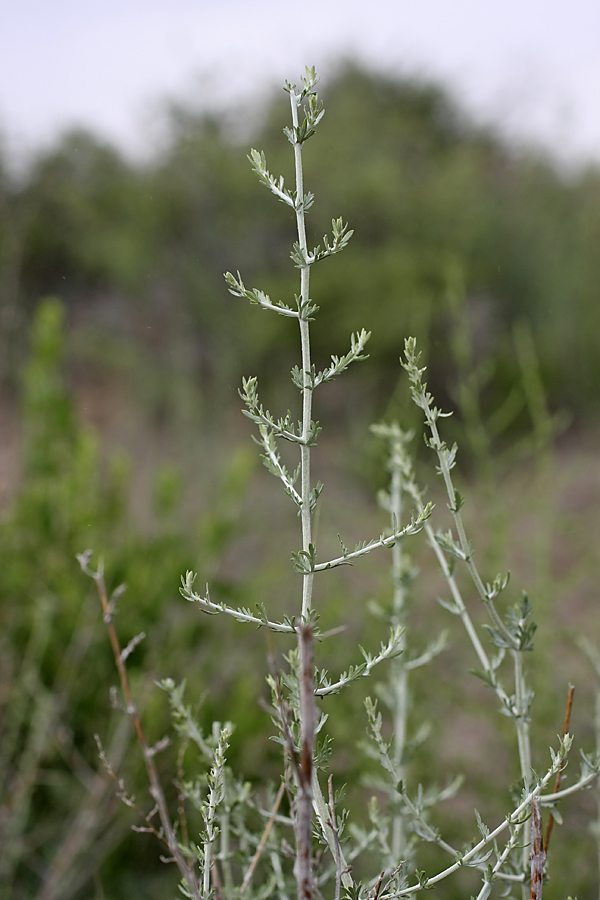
(461,142)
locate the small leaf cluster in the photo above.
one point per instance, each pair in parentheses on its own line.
(390,650)
(302,258)
(420,395)
(519,631)
(338,365)
(259,298)
(282,427)
(259,618)
(313,108)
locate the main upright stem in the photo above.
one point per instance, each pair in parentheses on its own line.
(400,672)
(310,794)
(305,511)
(304,871)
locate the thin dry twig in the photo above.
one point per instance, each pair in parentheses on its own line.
(180,799)
(377,889)
(156,790)
(128,800)
(559,774)
(382,889)
(263,839)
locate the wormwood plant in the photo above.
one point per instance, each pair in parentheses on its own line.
(294,839)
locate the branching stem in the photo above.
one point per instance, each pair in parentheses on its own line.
(156,790)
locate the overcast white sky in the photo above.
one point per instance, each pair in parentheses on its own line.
(532,65)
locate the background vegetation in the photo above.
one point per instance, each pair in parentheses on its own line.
(122,429)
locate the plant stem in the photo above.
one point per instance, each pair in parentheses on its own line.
(156,790)
(305,512)
(303,867)
(399,670)
(514,820)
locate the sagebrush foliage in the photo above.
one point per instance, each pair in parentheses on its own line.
(295,839)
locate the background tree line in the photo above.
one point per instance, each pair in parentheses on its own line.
(137,250)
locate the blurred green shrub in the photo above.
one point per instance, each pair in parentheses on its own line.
(57,812)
